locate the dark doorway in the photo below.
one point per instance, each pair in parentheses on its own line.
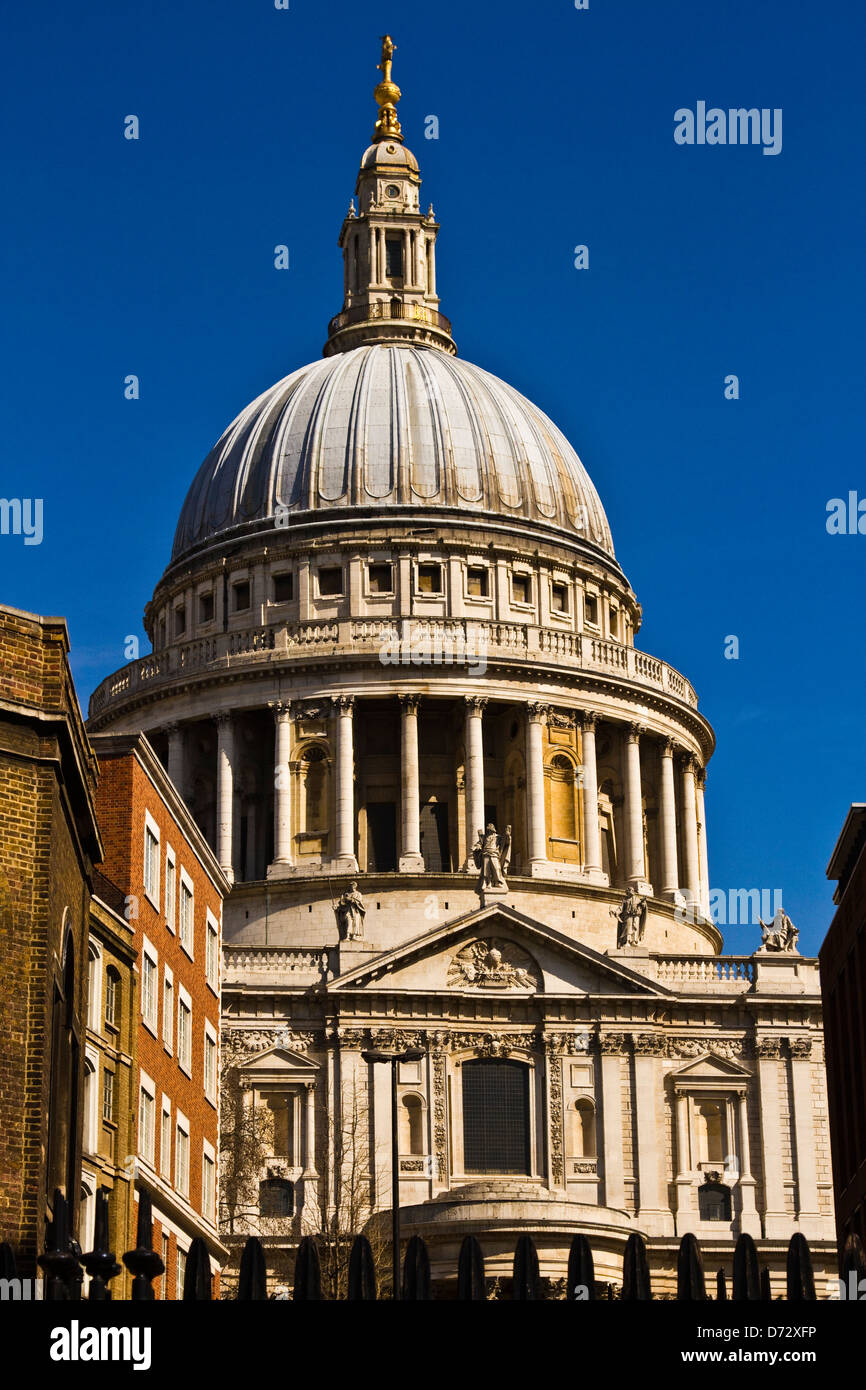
(495,1117)
(490,818)
(434,837)
(381,837)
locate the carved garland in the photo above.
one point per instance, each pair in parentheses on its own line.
(554,1071)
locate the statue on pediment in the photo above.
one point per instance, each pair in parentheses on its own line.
(351,911)
(492,855)
(780,934)
(631,919)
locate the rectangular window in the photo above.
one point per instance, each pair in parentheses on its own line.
(613,619)
(208,1174)
(108,1095)
(429,579)
(211,959)
(149,973)
(181,1157)
(393,256)
(331,581)
(495,1116)
(146,1108)
(184,1031)
(165,1264)
(590,609)
(381,579)
(478,581)
(165,1140)
(112,980)
(284,588)
(521,590)
(210,1062)
(179,621)
(170,880)
(168,1010)
(559,598)
(205,608)
(241,596)
(151,860)
(187,908)
(180,1273)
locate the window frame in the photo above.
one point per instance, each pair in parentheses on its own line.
(184,1054)
(210,1053)
(187,884)
(146,1140)
(170,905)
(168,1009)
(324,568)
(181,1169)
(524,576)
(149,957)
(165,1149)
(429,593)
(151,829)
(212,952)
(208,1167)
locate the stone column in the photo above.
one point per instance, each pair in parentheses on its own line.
(612,1050)
(635,865)
(749,1220)
(703,859)
(653,1211)
(591,833)
(175,766)
(669,885)
(691,868)
(804,1131)
(536,716)
(410,846)
(407,260)
(344,857)
(282,783)
(225,793)
(777,1221)
(310,1133)
(686,1215)
(474,774)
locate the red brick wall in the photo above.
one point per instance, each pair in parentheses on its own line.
(125,793)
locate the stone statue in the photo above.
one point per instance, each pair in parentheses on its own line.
(351,911)
(780,934)
(492,853)
(631,919)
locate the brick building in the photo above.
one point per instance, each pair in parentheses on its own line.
(108,1129)
(173,890)
(843,983)
(49,844)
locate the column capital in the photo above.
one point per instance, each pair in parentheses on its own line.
(409,703)
(668,747)
(281,709)
(701,776)
(343,704)
(171,728)
(588,720)
(634,731)
(223,719)
(537,713)
(689,763)
(475,705)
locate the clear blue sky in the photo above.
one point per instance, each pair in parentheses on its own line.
(556,128)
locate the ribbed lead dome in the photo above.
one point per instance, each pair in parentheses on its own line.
(391,426)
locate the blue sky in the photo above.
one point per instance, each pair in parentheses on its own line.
(556,128)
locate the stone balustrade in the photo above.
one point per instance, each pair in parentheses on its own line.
(243,963)
(446,641)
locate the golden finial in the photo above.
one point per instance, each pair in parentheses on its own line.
(387,94)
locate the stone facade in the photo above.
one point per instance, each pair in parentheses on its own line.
(394,660)
(47,850)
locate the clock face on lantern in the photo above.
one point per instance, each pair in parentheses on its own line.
(392,191)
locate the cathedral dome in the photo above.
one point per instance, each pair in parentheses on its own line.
(391,426)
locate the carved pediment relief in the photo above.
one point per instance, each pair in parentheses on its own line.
(491,964)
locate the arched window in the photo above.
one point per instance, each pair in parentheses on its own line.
(276,1197)
(412,1125)
(314,776)
(714,1202)
(562,808)
(581,1129)
(496,1116)
(711,1140)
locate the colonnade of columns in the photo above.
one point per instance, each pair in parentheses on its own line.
(682,859)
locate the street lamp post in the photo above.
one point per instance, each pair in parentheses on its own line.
(395,1058)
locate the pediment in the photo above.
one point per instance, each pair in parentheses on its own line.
(496,951)
(709,1068)
(278,1064)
